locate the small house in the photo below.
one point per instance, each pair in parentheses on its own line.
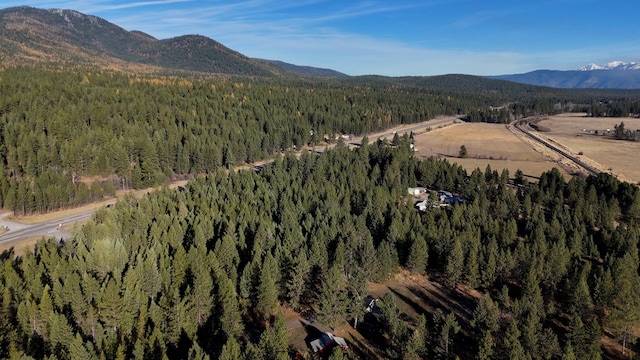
(327,342)
(416,191)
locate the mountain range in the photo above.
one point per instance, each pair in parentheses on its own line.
(614,65)
(30,35)
(614,75)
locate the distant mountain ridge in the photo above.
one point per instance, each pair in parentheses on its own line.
(29,34)
(614,75)
(307,70)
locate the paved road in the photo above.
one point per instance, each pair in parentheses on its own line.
(418,128)
(50,228)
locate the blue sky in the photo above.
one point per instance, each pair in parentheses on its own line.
(394,38)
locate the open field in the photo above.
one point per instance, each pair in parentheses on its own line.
(619,157)
(487,144)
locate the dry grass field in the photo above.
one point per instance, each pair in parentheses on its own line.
(621,158)
(487,144)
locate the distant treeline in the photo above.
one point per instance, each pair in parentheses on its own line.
(622,107)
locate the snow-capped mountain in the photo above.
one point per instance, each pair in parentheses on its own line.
(614,65)
(614,75)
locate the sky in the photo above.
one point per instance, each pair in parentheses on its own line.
(392,38)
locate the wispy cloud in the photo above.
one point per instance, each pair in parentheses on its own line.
(94,7)
(109,7)
(485,16)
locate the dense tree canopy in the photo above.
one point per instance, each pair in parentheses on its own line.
(189,274)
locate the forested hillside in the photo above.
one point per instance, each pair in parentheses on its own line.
(191,274)
(31,35)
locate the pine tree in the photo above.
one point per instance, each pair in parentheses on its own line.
(387,261)
(512,343)
(197,353)
(485,317)
(463,153)
(489,267)
(455,264)
(568,353)
(337,354)
(201,297)
(227,254)
(357,288)
(421,335)
(626,304)
(267,295)
(472,272)
(77,349)
(418,255)
(110,306)
(445,329)
(228,308)
(486,346)
(297,282)
(333,297)
(274,342)
(577,336)
(231,350)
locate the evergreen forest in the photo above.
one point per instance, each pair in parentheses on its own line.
(204,273)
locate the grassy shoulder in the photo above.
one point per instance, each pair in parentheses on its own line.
(20,247)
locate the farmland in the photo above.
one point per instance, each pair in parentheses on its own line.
(496,146)
(487,144)
(614,156)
